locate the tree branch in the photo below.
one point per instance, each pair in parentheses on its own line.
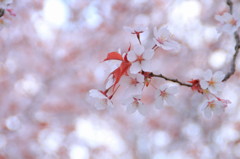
(237,47)
(170,79)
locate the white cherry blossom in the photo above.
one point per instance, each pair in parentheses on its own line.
(140,59)
(134,104)
(101,101)
(212,82)
(212,106)
(165,94)
(135,30)
(134,83)
(230,23)
(164,39)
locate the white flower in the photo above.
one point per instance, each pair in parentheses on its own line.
(164,39)
(165,94)
(212,82)
(134,83)
(136,30)
(140,59)
(212,106)
(230,23)
(134,104)
(101,101)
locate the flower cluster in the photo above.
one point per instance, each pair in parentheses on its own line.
(210,85)
(5,13)
(229,23)
(135,72)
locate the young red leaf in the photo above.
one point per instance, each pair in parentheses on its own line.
(114,56)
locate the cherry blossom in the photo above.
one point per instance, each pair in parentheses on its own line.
(140,59)
(136,30)
(212,82)
(101,100)
(164,39)
(134,104)
(230,23)
(212,106)
(134,83)
(165,94)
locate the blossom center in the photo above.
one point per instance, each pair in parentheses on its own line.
(163,94)
(211,104)
(140,58)
(211,83)
(134,82)
(233,22)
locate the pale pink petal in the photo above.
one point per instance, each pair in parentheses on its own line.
(146,66)
(110,82)
(131,56)
(142,109)
(135,68)
(218,76)
(207,112)
(148,54)
(204,84)
(207,75)
(96,94)
(172,90)
(140,78)
(159,103)
(138,49)
(171,100)
(128,29)
(101,104)
(163,87)
(131,108)
(155,32)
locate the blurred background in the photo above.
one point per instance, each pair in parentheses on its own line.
(50,57)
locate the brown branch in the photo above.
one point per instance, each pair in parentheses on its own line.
(1,12)
(237,47)
(170,79)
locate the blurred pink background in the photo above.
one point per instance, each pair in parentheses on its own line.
(50,57)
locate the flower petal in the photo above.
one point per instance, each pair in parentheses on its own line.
(131,108)
(207,112)
(218,76)
(204,84)
(131,56)
(148,54)
(135,68)
(138,49)
(159,103)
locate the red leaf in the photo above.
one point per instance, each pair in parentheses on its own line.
(114,56)
(119,72)
(196,85)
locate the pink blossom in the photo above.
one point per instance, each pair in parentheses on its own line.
(212,106)
(136,30)
(134,83)
(134,104)
(212,82)
(229,23)
(100,99)
(165,94)
(164,39)
(140,59)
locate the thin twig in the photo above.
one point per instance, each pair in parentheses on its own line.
(170,79)
(237,47)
